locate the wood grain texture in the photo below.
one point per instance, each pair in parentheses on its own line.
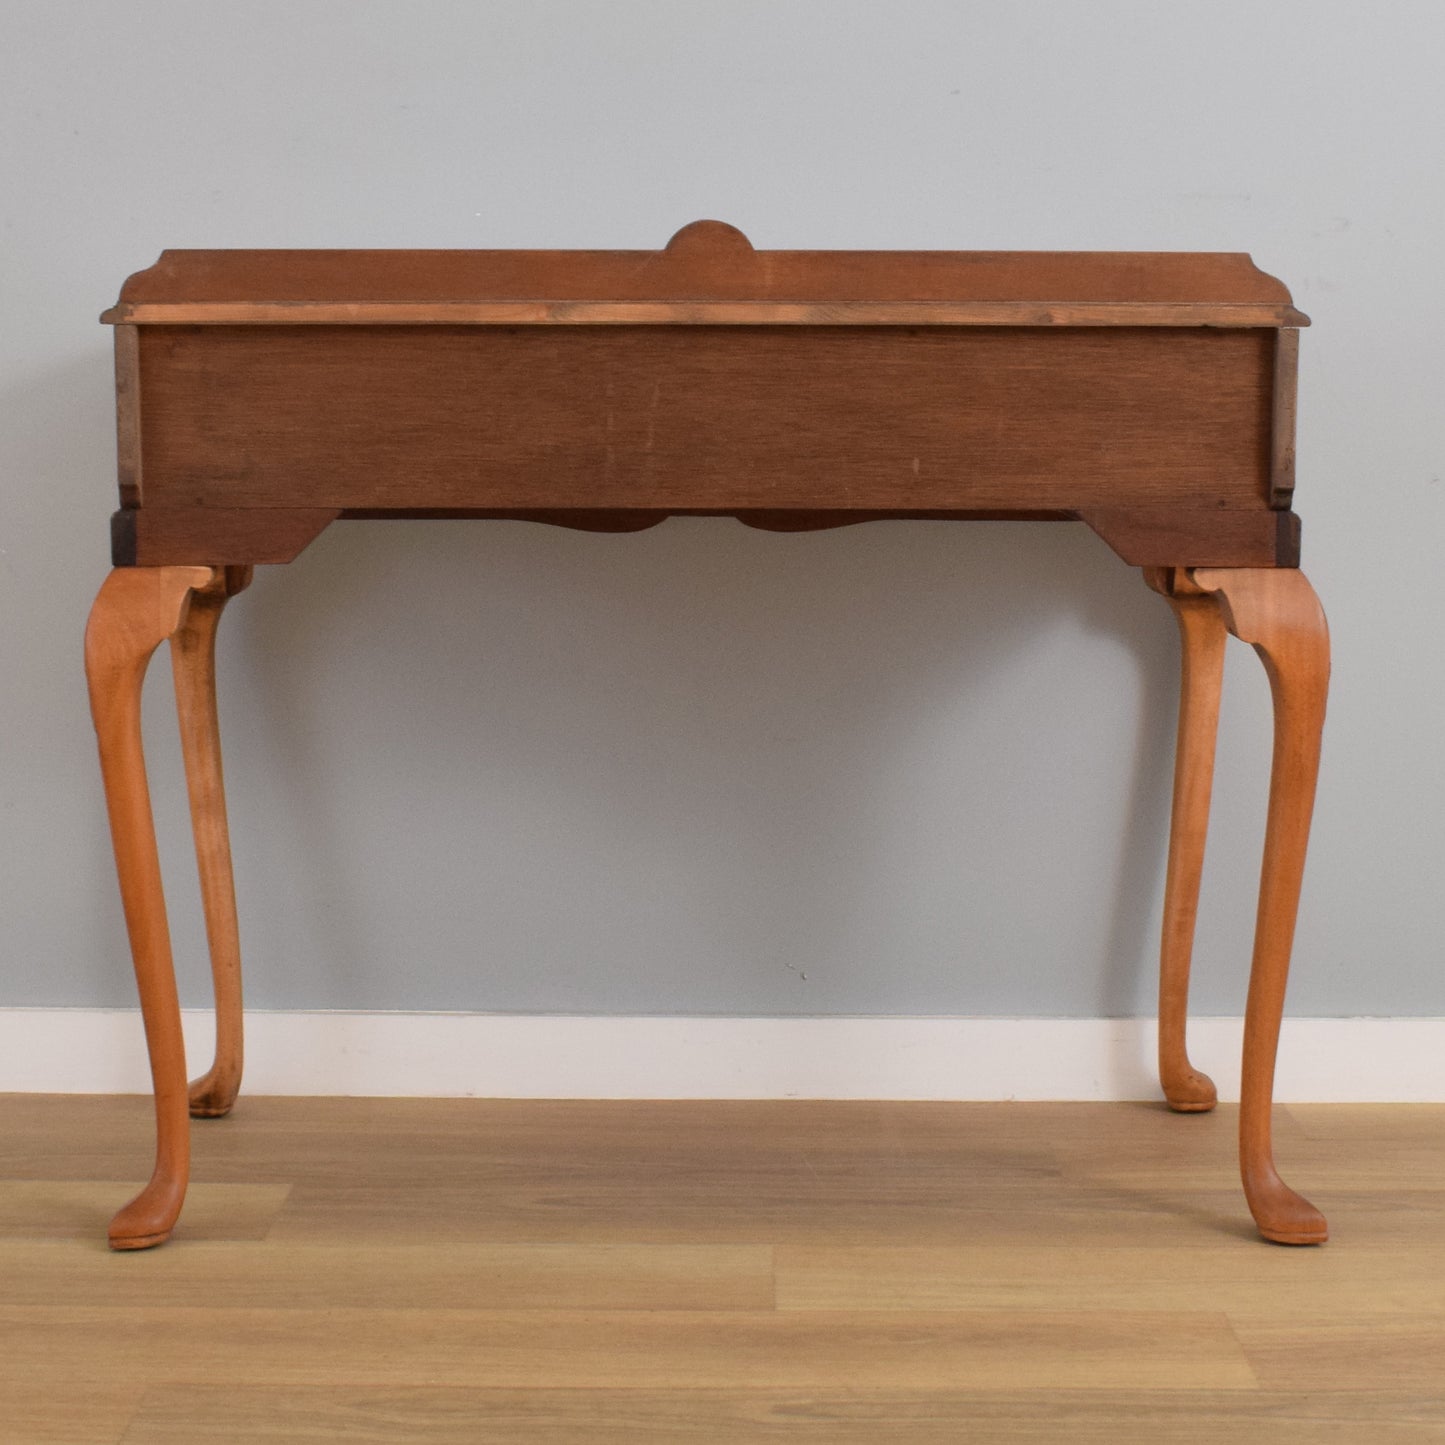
(709,273)
(193,666)
(986,1336)
(1142,536)
(1149,394)
(127,414)
(67,1209)
(1424,1167)
(86,1415)
(637,1349)
(1201,637)
(1277,613)
(1347,1351)
(459,1171)
(187,536)
(656,419)
(213,536)
(1282,423)
(1265,1283)
(135,611)
(1370,1123)
(1161,536)
(180,1415)
(492,1276)
(710,313)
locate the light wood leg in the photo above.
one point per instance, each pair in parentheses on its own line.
(193,663)
(136,610)
(1202,636)
(1276,610)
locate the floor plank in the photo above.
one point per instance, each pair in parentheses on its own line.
(182,1415)
(1370,1123)
(81,1209)
(502,1277)
(1398,1351)
(1281,1283)
(83,1414)
(654,1349)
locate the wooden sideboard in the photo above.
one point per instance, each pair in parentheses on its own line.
(263,395)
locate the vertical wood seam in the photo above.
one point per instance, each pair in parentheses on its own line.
(1282,418)
(127,414)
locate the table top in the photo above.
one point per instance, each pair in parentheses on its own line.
(708,274)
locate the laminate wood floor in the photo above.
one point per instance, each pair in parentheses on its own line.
(552,1273)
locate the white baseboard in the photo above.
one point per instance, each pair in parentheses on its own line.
(557,1057)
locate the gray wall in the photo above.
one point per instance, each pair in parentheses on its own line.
(911,768)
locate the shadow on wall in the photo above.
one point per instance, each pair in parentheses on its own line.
(508,766)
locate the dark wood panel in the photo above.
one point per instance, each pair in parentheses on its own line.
(1197,537)
(127,414)
(213,536)
(705,418)
(1143,537)
(1286,382)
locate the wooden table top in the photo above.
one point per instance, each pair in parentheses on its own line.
(707,274)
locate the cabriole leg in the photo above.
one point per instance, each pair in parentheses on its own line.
(136,610)
(1277,612)
(193,662)
(1202,637)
